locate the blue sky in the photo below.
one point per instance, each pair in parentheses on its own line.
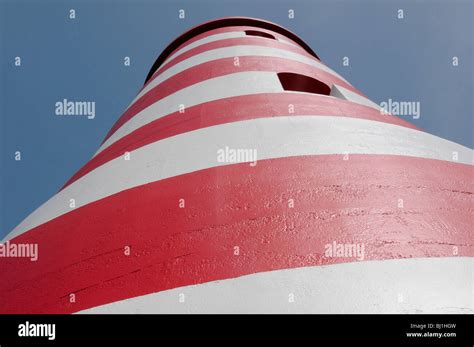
(406,59)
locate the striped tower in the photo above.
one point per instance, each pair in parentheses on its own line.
(247,176)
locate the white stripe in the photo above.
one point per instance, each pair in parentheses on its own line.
(230,52)
(242,83)
(272,138)
(207,39)
(283,40)
(420,285)
(219,37)
(346,94)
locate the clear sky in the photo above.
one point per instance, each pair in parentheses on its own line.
(406,59)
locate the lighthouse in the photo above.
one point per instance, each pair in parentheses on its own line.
(247,176)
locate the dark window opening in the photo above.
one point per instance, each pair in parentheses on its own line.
(301,83)
(259,33)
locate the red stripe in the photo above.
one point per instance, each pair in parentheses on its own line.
(233,110)
(353,201)
(232,29)
(241,41)
(218,68)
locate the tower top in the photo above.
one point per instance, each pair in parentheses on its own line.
(220,23)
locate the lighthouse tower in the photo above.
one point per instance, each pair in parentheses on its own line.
(247,176)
